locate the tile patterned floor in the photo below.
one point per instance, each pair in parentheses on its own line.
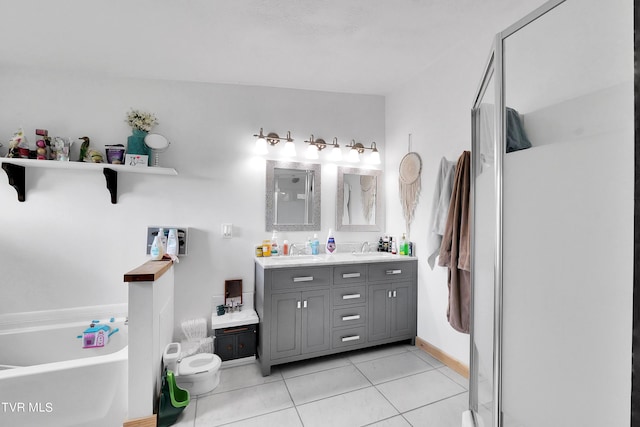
(389,386)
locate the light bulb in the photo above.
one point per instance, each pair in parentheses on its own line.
(312,152)
(375,157)
(289,149)
(261,146)
(336,154)
(353,156)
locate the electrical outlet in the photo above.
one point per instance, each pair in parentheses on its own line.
(182,238)
(227,231)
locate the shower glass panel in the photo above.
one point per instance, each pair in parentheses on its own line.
(568,93)
(484,222)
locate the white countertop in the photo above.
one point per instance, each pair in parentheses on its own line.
(237,318)
(326,259)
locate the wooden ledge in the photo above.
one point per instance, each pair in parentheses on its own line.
(150,271)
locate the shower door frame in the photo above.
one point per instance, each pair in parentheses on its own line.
(495,69)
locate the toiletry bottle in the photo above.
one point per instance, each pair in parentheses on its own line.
(163,239)
(380,244)
(331,243)
(266,247)
(307,246)
(392,244)
(274,244)
(315,245)
(402,250)
(172,242)
(285,247)
(156,251)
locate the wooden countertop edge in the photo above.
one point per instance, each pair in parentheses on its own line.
(150,271)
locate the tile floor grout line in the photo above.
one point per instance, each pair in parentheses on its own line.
(293,402)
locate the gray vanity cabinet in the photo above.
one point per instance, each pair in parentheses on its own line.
(316,310)
(391,311)
(392,302)
(299,323)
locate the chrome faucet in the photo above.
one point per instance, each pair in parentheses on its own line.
(293,247)
(364,245)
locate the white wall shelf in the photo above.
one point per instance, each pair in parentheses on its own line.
(15,169)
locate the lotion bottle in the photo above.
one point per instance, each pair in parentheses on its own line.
(172,242)
(315,245)
(331,243)
(156,249)
(163,238)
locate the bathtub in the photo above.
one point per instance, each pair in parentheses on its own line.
(48,379)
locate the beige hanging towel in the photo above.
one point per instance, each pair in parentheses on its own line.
(410,185)
(454,251)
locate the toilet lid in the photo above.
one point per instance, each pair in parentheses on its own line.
(201,362)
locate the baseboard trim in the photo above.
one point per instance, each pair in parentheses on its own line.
(445,358)
(150,421)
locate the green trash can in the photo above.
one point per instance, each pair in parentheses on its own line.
(173,400)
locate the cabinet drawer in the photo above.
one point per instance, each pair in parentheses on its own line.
(289,278)
(391,271)
(348,337)
(348,274)
(350,316)
(349,295)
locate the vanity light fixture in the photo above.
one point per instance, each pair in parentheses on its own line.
(315,146)
(336,152)
(357,148)
(374,158)
(272,139)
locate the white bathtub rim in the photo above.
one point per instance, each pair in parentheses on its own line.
(44,318)
(120,355)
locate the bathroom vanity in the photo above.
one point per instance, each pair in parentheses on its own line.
(318,305)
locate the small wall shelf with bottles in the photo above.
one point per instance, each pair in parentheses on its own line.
(15,169)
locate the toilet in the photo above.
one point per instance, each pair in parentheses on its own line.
(198,374)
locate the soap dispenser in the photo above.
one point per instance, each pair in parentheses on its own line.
(331,243)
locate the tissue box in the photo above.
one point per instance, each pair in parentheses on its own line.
(95,336)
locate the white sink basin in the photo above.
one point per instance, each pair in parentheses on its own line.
(237,318)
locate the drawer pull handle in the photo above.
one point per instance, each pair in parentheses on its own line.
(353,317)
(304,304)
(394,294)
(351,338)
(303,279)
(298,304)
(350,275)
(351,296)
(388,295)
(389,272)
(231,331)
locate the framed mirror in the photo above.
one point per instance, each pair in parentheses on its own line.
(292,198)
(359,200)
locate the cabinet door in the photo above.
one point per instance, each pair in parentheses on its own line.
(285,325)
(379,311)
(402,310)
(225,346)
(246,344)
(316,324)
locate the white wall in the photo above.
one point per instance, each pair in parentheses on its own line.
(68,246)
(435,108)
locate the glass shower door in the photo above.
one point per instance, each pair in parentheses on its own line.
(481,396)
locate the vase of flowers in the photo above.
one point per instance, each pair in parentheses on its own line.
(141,123)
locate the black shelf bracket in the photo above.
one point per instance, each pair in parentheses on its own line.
(112,183)
(17,179)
